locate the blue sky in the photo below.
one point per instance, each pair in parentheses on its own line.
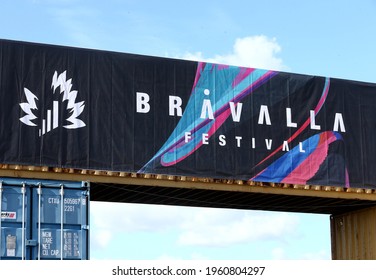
(325,38)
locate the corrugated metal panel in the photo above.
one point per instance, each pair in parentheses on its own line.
(44,220)
(354,235)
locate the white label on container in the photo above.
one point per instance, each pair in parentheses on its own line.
(71,244)
(9,215)
(11,245)
(47,241)
(11,252)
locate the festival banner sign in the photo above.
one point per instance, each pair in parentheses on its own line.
(89,109)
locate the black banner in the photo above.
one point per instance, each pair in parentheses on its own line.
(88,109)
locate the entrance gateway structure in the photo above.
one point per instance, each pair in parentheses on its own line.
(154,130)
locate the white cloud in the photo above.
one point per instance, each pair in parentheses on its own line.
(193,256)
(166,257)
(278,254)
(195,226)
(281,254)
(123,217)
(220,227)
(320,255)
(199,256)
(101,238)
(257,51)
(110,219)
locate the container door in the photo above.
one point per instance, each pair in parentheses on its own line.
(15,222)
(60,225)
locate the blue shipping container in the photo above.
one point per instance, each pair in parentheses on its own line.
(44,220)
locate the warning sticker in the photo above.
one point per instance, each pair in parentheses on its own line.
(9,215)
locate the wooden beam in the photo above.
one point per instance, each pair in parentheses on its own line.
(134,179)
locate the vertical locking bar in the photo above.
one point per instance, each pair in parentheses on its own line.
(61,221)
(23,190)
(39,217)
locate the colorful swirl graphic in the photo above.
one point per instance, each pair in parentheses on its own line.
(209,106)
(297,167)
(220,91)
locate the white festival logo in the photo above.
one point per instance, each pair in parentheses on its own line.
(52,119)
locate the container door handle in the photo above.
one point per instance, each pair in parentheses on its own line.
(62,222)
(39,218)
(23,190)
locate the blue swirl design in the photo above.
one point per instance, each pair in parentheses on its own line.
(220,84)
